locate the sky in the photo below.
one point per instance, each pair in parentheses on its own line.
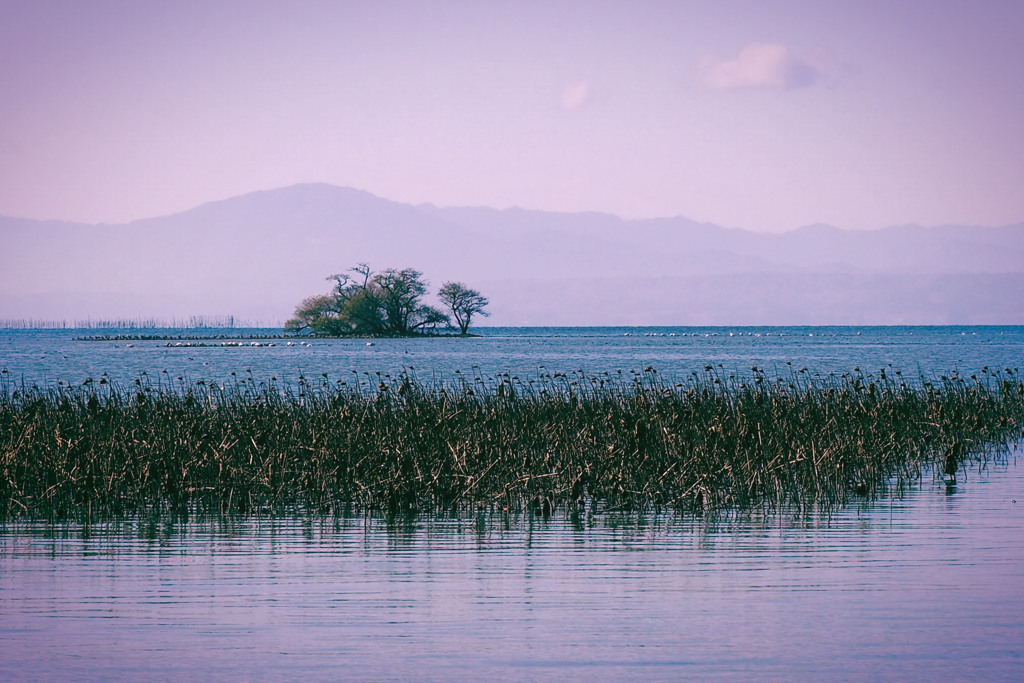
(761,114)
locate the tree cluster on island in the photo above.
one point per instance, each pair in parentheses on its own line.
(385,304)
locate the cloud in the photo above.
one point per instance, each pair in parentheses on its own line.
(759,65)
(575,95)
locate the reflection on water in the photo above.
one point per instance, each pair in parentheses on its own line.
(925,587)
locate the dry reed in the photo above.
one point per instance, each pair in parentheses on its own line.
(372,441)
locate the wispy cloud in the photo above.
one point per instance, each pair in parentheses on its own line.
(759,65)
(575,95)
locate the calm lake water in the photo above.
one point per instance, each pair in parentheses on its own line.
(928,586)
(48,356)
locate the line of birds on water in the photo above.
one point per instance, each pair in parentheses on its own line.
(233,344)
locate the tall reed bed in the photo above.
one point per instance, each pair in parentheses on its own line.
(613,441)
(195,321)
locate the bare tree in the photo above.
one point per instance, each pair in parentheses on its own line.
(463,302)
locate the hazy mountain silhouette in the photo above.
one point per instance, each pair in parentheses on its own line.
(257,255)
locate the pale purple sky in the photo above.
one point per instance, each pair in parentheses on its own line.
(760,114)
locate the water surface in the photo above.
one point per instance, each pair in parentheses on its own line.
(49,356)
(927,587)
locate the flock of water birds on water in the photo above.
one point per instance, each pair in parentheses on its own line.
(233,344)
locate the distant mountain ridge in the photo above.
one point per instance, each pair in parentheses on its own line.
(256,255)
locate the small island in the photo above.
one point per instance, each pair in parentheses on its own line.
(363,303)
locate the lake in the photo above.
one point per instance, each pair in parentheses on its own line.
(47,356)
(925,586)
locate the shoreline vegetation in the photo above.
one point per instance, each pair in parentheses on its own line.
(389,303)
(191,322)
(372,441)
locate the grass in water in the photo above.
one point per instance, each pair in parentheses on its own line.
(612,441)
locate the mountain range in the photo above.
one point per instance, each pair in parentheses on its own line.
(257,255)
